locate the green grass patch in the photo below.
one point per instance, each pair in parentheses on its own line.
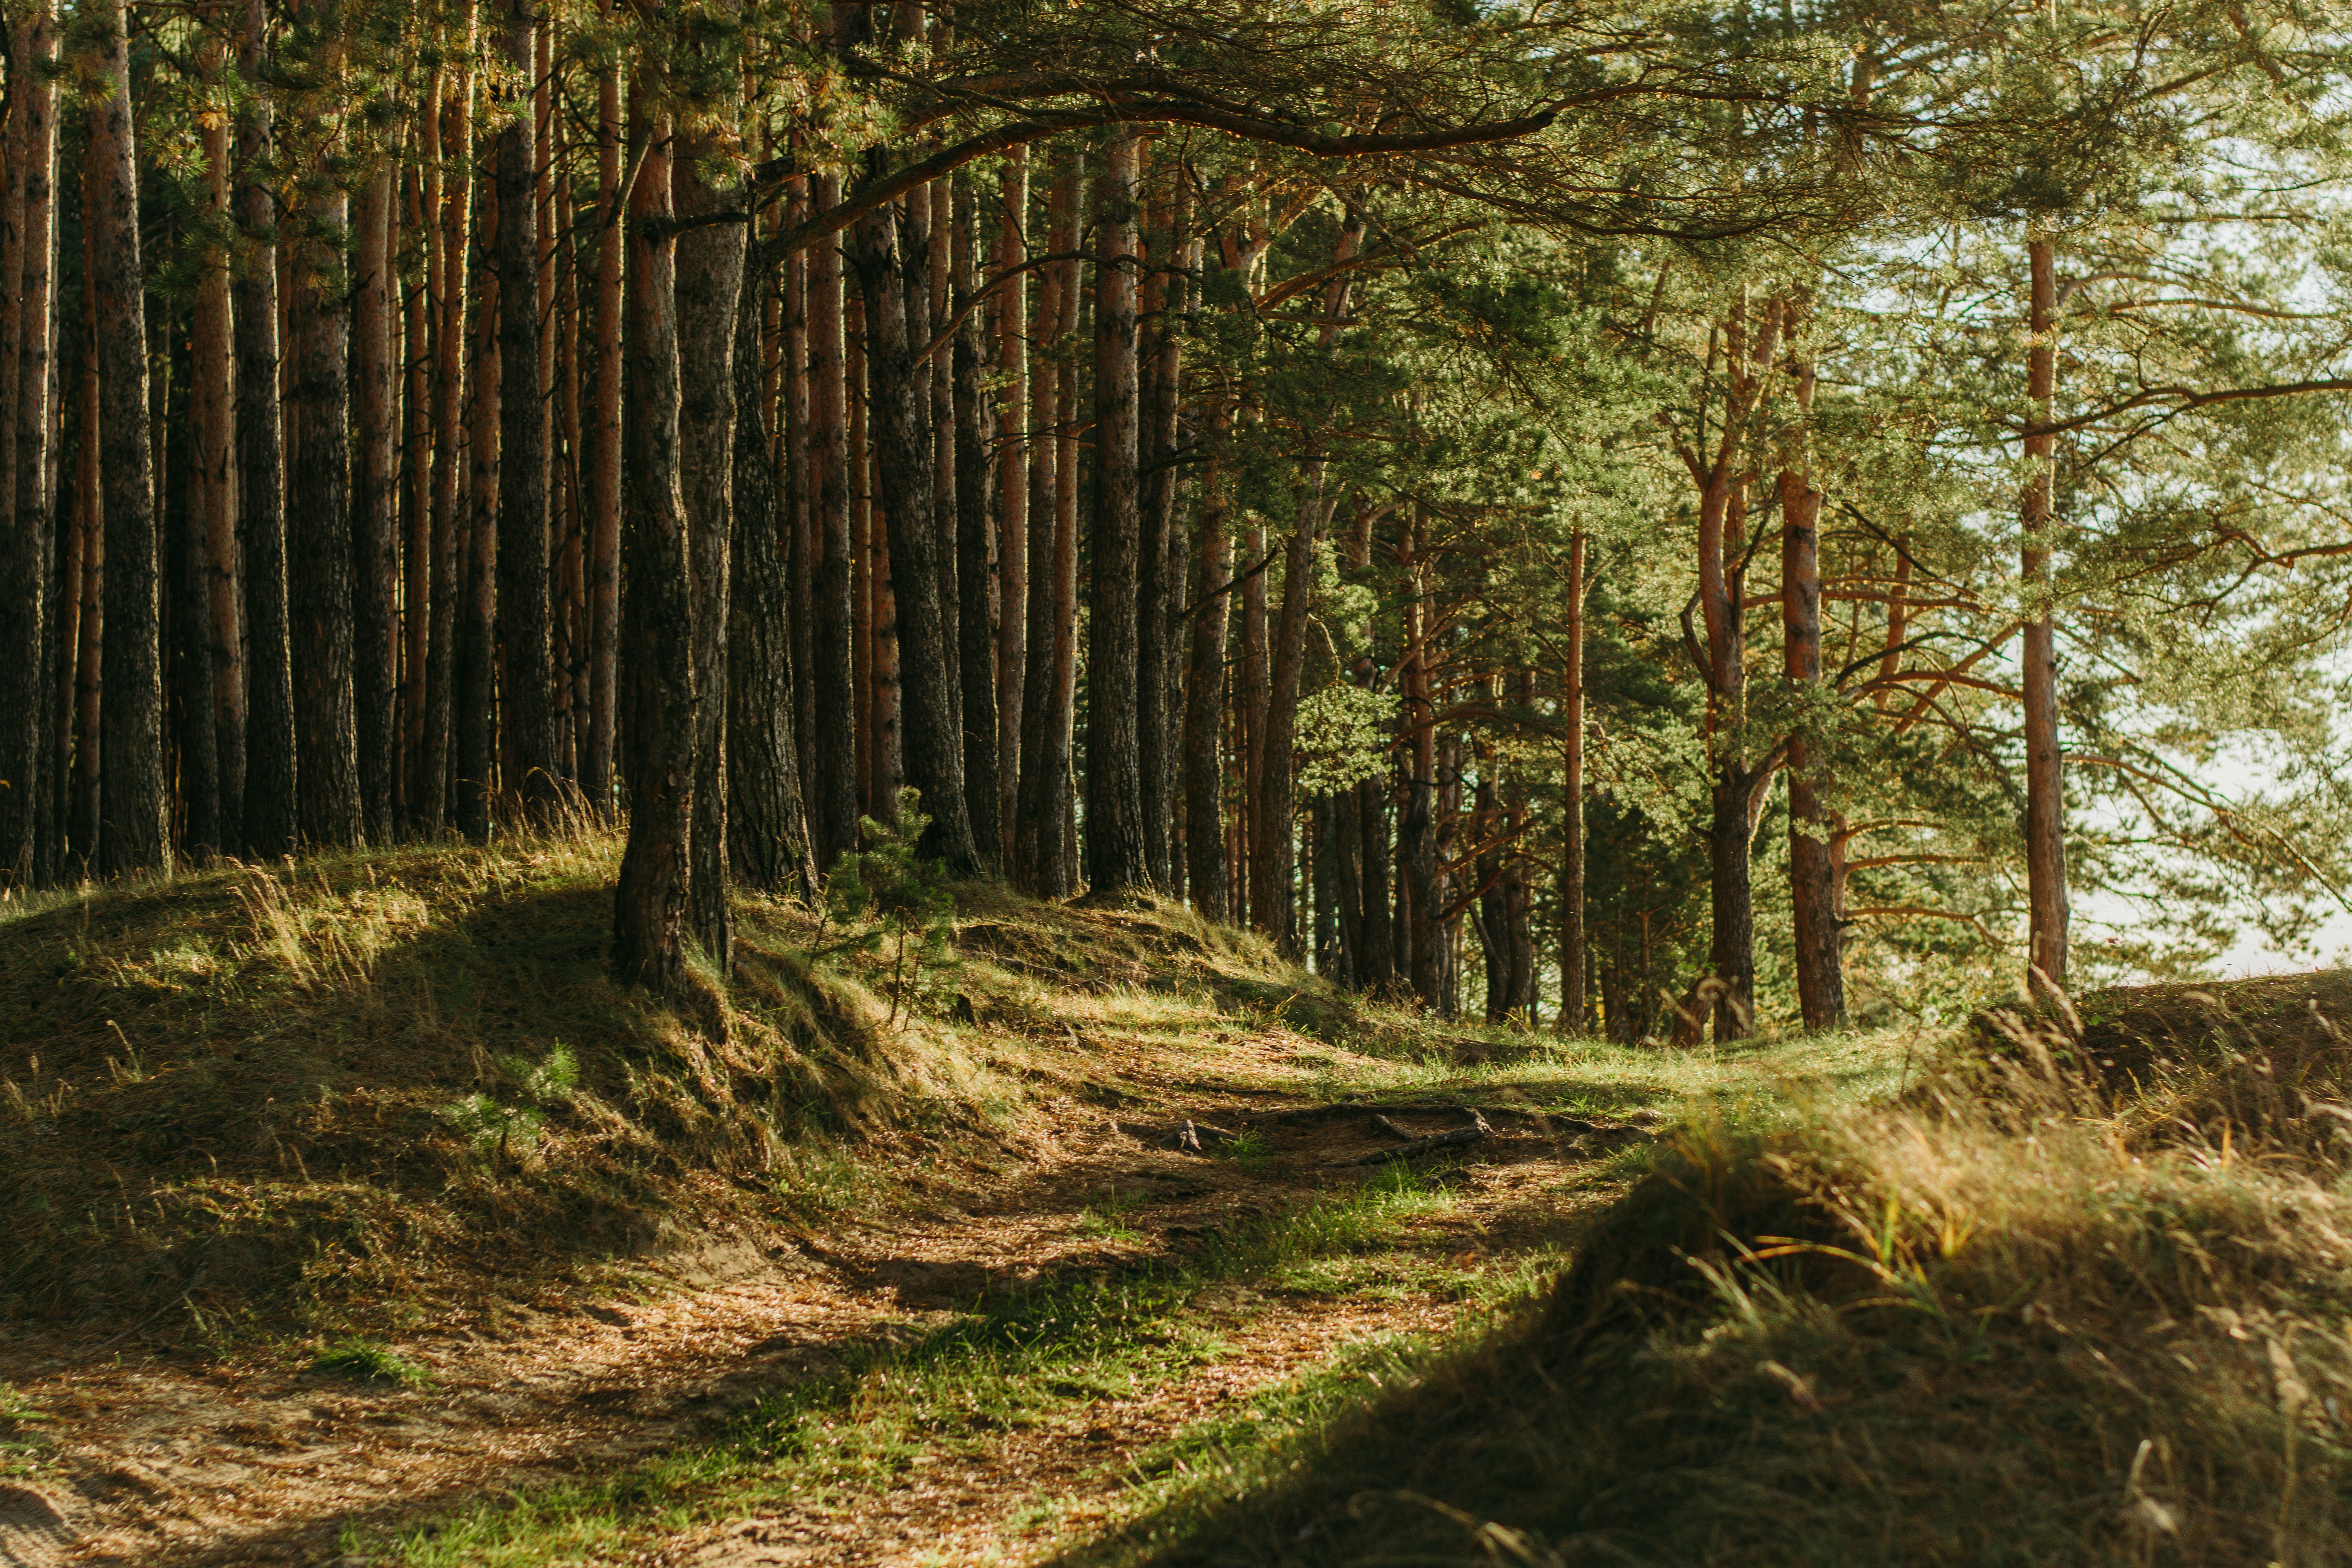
(370,1362)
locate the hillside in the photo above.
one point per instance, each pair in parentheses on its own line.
(359,1212)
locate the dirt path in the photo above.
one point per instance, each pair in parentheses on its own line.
(150,1460)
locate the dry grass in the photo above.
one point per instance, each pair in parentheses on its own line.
(322,1091)
(2036,1310)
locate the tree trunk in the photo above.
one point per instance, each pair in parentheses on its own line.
(1375,961)
(1042,849)
(649,905)
(447,136)
(900,396)
(32,123)
(1204,693)
(1572,984)
(1820,979)
(768,841)
(800,496)
(603,440)
(27,600)
(975,491)
(320,535)
(525,671)
(415,484)
(188,624)
(134,832)
(2045,801)
(1160,556)
(374,524)
(1271,866)
(212,496)
(1013,416)
(833,785)
(90,523)
(710,286)
(475,704)
(1249,717)
(1116,857)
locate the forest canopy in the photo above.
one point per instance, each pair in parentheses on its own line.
(1626,517)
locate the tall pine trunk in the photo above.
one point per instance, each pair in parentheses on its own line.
(603,441)
(1204,698)
(657,631)
(1013,416)
(709,286)
(134,831)
(1042,847)
(526,693)
(832,784)
(1812,880)
(975,494)
(1571,801)
(29,600)
(448,135)
(2045,801)
(474,711)
(212,489)
(375,548)
(319,531)
(768,839)
(1115,857)
(900,396)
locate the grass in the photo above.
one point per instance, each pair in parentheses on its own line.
(2034,1311)
(330,1094)
(956,1389)
(371,1364)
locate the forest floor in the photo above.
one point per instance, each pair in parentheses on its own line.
(1203,1217)
(255,1459)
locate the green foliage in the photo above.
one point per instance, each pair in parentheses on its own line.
(488,1125)
(370,1362)
(892,901)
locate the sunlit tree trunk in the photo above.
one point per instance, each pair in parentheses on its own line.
(976,496)
(2046,802)
(27,596)
(1010,309)
(832,784)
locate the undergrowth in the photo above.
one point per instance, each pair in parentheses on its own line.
(2077,1297)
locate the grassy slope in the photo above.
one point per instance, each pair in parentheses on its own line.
(240,1102)
(2090,1304)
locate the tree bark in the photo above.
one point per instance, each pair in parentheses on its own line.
(2045,801)
(649,904)
(212,496)
(319,534)
(526,693)
(900,396)
(134,834)
(1162,553)
(710,288)
(800,496)
(447,133)
(1116,857)
(833,786)
(768,839)
(1013,416)
(1572,984)
(1204,694)
(975,492)
(375,659)
(28,599)
(1813,883)
(85,809)
(1418,931)
(603,441)
(1042,848)
(475,703)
